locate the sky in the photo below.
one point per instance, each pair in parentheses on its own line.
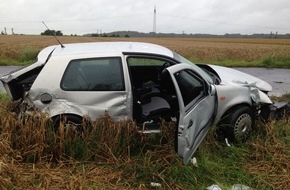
(172,16)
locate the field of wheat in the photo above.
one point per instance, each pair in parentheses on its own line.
(223,51)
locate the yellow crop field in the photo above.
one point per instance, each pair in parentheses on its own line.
(224,51)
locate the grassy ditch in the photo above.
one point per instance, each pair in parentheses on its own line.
(268,61)
(23,56)
(113,155)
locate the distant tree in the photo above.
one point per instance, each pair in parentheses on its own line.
(48,33)
(51,33)
(115,35)
(58,33)
(95,35)
(127,36)
(2,33)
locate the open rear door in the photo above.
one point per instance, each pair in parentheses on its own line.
(197,103)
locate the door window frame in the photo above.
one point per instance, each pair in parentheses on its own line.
(121,70)
(197,99)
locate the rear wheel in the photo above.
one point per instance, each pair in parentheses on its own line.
(237,125)
(73,123)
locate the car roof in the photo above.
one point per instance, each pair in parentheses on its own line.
(109,47)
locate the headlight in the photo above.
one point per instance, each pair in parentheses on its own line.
(259,96)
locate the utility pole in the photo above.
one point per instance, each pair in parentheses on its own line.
(12,31)
(154,21)
(5,31)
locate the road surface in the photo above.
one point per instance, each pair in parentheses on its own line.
(279,79)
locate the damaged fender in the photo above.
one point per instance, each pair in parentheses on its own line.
(259,97)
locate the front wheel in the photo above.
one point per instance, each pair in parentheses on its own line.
(237,125)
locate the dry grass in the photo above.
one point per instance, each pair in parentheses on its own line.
(241,51)
(104,156)
(16,175)
(269,161)
(112,155)
(34,140)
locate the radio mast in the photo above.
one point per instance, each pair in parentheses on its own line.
(154,21)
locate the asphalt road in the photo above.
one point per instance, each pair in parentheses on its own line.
(5,70)
(278,78)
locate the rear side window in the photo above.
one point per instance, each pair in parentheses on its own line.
(100,74)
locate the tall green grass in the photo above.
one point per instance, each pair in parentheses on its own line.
(269,61)
(25,56)
(28,54)
(276,60)
(5,61)
(3,96)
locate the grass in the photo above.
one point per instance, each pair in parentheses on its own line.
(28,54)
(3,96)
(284,98)
(112,155)
(275,61)
(25,56)
(22,50)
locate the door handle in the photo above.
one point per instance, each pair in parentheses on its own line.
(190,124)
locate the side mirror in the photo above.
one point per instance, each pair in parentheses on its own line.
(211,90)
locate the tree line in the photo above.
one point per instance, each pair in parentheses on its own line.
(52,33)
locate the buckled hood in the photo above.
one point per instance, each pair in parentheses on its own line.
(228,75)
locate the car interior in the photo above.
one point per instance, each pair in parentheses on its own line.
(154,95)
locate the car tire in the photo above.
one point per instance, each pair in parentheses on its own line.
(74,122)
(237,125)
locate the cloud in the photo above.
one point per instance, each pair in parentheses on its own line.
(198,16)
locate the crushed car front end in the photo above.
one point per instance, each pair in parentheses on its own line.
(236,88)
(242,98)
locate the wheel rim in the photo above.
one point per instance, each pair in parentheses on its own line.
(243,126)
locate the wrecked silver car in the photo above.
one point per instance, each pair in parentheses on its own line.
(143,82)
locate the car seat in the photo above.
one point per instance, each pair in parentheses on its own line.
(150,107)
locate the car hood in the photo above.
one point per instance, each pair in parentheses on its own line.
(229,75)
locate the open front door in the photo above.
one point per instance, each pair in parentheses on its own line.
(197,104)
